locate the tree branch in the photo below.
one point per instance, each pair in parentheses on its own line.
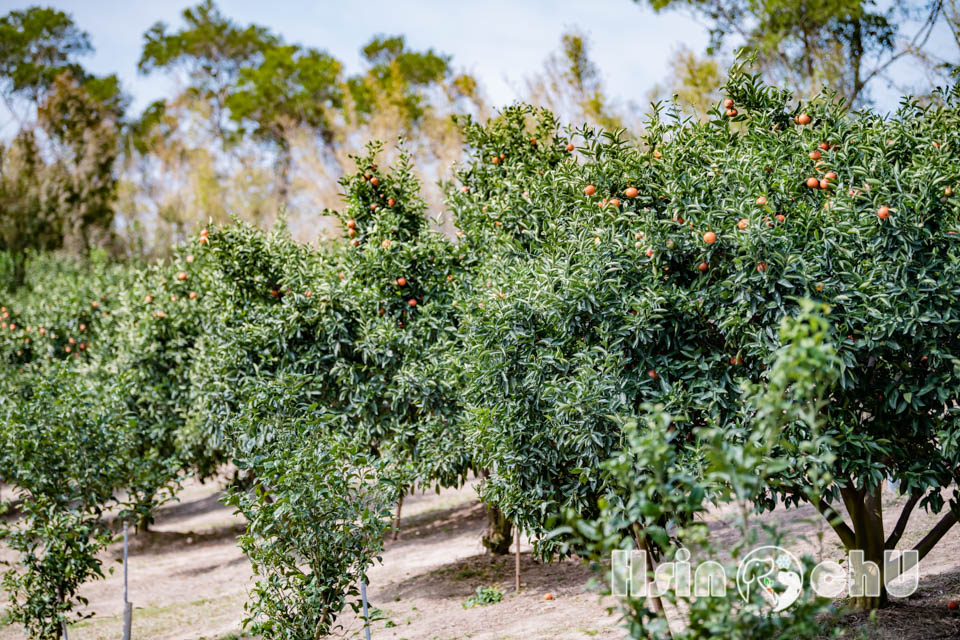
(843,531)
(901,525)
(915,44)
(931,539)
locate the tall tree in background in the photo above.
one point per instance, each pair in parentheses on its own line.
(211,51)
(286,109)
(293,87)
(36,46)
(694,82)
(807,45)
(57,177)
(397,76)
(571,86)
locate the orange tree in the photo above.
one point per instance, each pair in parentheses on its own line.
(329,365)
(63,443)
(659,273)
(281,387)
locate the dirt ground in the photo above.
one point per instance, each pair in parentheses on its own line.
(188,580)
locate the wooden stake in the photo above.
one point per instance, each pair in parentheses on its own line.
(366,613)
(127,607)
(518,559)
(396,521)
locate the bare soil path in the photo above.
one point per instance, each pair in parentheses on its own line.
(188,579)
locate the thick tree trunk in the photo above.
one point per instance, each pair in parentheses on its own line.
(866,512)
(497,538)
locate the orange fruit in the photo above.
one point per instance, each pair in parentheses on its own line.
(193,295)
(649,253)
(615,202)
(803,119)
(657,155)
(947,191)
(181,276)
(813,183)
(631,192)
(351,224)
(830,175)
(589,190)
(728,103)
(883,213)
(464,189)
(148,299)
(391,202)
(953,605)
(761,267)
(824,184)
(401,281)
(412,302)
(815,155)
(495,160)
(374,181)
(761,201)
(653,374)
(736,360)
(709,237)
(743,224)
(570,146)
(731,113)
(781,217)
(703,266)
(549,596)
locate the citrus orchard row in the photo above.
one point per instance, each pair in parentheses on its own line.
(522,350)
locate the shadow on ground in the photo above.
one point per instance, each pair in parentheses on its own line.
(921,616)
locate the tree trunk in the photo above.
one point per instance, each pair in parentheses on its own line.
(497,538)
(866,512)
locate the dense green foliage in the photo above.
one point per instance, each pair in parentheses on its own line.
(595,284)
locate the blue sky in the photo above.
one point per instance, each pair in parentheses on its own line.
(498,40)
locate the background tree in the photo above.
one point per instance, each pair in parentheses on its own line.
(806,46)
(36,46)
(211,50)
(694,83)
(571,86)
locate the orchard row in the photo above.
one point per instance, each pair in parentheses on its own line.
(600,291)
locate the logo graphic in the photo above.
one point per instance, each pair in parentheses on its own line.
(773,571)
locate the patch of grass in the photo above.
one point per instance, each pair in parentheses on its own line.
(485,596)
